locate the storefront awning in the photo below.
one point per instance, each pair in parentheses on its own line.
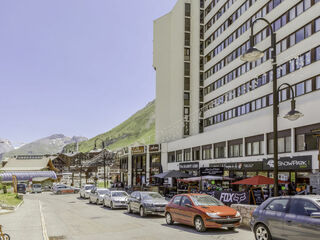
(257,180)
(172,174)
(197,179)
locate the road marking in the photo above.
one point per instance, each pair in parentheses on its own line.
(43,224)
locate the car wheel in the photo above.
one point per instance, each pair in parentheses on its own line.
(231,228)
(111,205)
(142,212)
(5,237)
(90,200)
(261,232)
(129,208)
(199,225)
(169,219)
(97,202)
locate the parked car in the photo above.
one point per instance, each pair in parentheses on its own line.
(290,217)
(85,190)
(115,199)
(96,195)
(63,189)
(201,211)
(146,203)
(36,188)
(22,188)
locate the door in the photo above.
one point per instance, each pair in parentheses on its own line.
(175,205)
(274,215)
(186,211)
(298,223)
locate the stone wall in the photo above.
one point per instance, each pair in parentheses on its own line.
(245,211)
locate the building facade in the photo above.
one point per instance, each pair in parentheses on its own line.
(230,108)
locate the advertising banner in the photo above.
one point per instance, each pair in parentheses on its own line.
(229,198)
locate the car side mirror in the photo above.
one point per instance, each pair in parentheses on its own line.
(188,205)
(315,215)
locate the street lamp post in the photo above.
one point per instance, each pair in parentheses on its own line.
(254,54)
(104,160)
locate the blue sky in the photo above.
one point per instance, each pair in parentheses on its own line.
(77,67)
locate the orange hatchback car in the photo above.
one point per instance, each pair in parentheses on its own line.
(201,211)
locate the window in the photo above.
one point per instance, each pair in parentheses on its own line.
(219,150)
(196,154)
(300,89)
(292,14)
(292,40)
(288,144)
(302,207)
(235,150)
(307,4)
(187,25)
(318,83)
(187,54)
(185,201)
(317,25)
(176,200)
(278,205)
(300,142)
(206,153)
(187,39)
(300,35)
(186,99)
(308,86)
(171,157)
(317,53)
(187,83)
(187,9)
(281,146)
(187,155)
(179,156)
(187,69)
(299,8)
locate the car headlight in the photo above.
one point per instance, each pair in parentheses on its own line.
(213,215)
(238,214)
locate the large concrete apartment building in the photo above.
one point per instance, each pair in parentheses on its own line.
(213,109)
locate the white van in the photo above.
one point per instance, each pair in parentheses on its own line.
(36,188)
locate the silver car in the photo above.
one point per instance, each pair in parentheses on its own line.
(97,194)
(116,199)
(36,188)
(85,190)
(146,203)
(287,217)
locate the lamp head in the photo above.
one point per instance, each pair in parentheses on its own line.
(293,115)
(252,54)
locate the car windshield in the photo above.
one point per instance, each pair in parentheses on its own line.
(119,194)
(102,192)
(151,196)
(88,187)
(206,200)
(36,185)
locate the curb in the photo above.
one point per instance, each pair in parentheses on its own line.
(11,211)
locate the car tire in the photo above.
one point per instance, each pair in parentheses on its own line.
(231,228)
(111,205)
(5,237)
(261,232)
(142,212)
(97,202)
(169,219)
(199,224)
(90,200)
(129,210)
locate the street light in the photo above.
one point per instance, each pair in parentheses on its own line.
(254,54)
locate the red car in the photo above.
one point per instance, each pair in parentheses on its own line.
(201,211)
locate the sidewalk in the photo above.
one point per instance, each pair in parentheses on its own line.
(25,223)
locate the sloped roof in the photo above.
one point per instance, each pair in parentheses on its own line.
(27,176)
(27,165)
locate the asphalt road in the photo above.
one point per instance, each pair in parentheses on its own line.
(68,217)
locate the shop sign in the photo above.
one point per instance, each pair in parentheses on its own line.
(137,150)
(240,166)
(154,148)
(229,198)
(211,171)
(189,166)
(287,163)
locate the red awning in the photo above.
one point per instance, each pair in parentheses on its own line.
(257,180)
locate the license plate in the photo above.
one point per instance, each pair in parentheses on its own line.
(228,225)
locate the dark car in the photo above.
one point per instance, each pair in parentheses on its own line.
(146,203)
(293,218)
(22,188)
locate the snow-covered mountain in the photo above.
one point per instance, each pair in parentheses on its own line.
(5,145)
(47,145)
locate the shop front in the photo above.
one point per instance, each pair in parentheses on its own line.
(124,169)
(295,170)
(138,165)
(191,168)
(155,163)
